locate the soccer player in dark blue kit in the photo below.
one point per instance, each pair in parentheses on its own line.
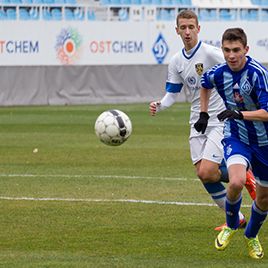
(242,83)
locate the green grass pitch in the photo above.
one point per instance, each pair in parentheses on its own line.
(79,203)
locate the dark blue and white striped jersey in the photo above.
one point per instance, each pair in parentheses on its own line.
(245,90)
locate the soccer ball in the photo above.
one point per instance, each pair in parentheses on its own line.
(113,127)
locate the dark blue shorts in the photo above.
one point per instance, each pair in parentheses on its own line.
(257,157)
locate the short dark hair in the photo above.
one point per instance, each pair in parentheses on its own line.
(235,34)
(186,14)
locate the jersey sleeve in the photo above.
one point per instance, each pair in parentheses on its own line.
(261,86)
(174,82)
(207,79)
(168,100)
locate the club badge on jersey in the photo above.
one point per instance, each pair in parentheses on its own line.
(199,68)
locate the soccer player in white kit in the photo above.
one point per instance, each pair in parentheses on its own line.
(185,70)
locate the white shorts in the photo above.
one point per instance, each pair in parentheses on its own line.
(207,146)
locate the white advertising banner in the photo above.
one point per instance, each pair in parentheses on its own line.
(31,43)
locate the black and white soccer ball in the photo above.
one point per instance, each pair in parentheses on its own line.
(113,127)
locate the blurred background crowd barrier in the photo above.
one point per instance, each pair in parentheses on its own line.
(60,52)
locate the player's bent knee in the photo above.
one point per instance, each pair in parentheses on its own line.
(208,174)
(236,186)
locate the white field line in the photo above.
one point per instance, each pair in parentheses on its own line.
(104,200)
(110,201)
(97,176)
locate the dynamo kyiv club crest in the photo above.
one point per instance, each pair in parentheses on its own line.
(160,49)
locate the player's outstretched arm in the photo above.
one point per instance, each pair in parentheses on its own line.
(258,115)
(154,107)
(230,114)
(167,101)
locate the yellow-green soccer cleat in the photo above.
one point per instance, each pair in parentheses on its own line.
(254,248)
(224,237)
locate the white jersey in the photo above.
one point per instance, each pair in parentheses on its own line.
(185,70)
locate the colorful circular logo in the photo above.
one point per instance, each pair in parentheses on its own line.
(68,45)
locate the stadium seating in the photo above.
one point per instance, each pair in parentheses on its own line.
(163,14)
(105,2)
(45,2)
(11,13)
(122,10)
(3,15)
(48,1)
(73,2)
(125,2)
(56,14)
(166,2)
(156,2)
(46,15)
(206,14)
(260,2)
(79,13)
(68,14)
(264,15)
(24,13)
(228,14)
(34,13)
(135,2)
(249,14)
(176,2)
(15,1)
(123,14)
(91,15)
(146,2)
(186,2)
(37,1)
(222,3)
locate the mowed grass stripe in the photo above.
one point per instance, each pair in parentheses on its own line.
(110,201)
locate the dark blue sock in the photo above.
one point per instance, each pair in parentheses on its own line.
(232,210)
(256,220)
(217,191)
(224,172)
